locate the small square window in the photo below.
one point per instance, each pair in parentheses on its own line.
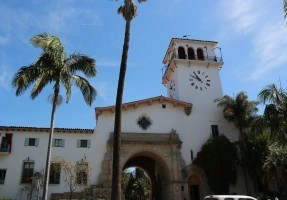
(32,142)
(58,143)
(163,105)
(2,175)
(84,143)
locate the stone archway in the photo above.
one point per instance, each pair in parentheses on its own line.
(196,182)
(150,166)
(162,149)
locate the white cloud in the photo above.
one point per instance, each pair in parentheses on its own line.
(264,34)
(57,17)
(270,49)
(4,78)
(241,14)
(104,90)
(107,63)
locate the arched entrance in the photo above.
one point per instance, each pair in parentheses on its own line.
(158,154)
(194,187)
(152,168)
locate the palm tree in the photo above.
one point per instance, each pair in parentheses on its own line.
(128,11)
(285,7)
(275,165)
(238,110)
(53,66)
(275,113)
(241,112)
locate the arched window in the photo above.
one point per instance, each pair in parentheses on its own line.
(200,55)
(181,53)
(191,55)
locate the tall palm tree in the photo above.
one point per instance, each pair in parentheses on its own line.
(285,7)
(241,112)
(129,12)
(53,66)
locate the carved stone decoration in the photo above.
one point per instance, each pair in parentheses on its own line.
(124,152)
(144,122)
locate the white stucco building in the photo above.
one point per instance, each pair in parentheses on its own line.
(160,134)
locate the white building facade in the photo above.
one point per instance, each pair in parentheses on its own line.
(162,135)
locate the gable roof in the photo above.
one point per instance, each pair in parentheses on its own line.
(149,101)
(42,129)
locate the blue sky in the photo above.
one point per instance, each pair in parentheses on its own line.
(252,35)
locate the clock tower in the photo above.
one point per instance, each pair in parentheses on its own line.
(191,71)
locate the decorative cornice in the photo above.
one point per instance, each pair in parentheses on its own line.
(149,138)
(42,129)
(150,101)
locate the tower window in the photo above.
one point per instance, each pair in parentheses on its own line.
(191,155)
(163,106)
(181,53)
(214,129)
(200,55)
(191,55)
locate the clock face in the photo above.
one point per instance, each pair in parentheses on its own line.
(171,88)
(199,80)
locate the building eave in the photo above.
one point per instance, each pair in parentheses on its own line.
(46,130)
(149,101)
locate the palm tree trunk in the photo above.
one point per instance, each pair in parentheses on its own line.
(242,151)
(116,183)
(48,159)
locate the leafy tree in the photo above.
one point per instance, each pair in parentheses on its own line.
(53,66)
(218,158)
(241,112)
(137,185)
(129,12)
(275,165)
(75,175)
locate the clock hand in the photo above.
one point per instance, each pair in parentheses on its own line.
(197,77)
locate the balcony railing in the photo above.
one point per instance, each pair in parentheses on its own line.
(196,58)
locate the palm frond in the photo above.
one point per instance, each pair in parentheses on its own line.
(40,83)
(51,45)
(67,84)
(88,91)
(270,94)
(24,78)
(128,10)
(83,63)
(285,7)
